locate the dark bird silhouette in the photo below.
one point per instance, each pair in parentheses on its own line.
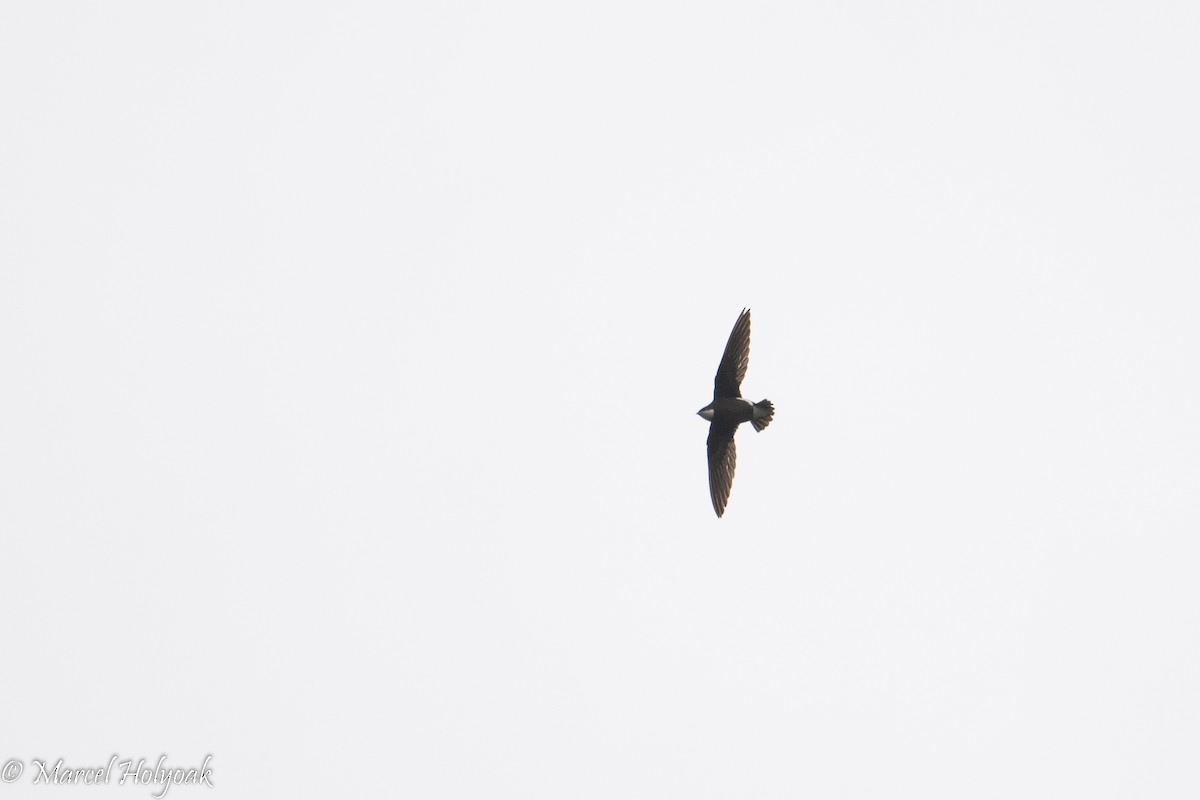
(728,410)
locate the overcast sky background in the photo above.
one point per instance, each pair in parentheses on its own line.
(351,354)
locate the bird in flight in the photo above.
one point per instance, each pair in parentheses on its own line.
(728,410)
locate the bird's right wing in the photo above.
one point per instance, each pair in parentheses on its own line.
(735,360)
(722,459)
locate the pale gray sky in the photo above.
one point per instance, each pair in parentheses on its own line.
(351,357)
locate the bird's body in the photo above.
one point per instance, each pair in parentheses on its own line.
(728,410)
(734,409)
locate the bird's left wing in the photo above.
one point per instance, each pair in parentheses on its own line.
(736,359)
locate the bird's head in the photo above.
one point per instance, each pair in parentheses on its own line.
(707,412)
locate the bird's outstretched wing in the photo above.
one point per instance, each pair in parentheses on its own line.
(722,459)
(736,359)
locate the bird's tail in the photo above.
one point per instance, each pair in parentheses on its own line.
(764,412)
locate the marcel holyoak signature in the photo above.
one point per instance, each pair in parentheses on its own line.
(136,772)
